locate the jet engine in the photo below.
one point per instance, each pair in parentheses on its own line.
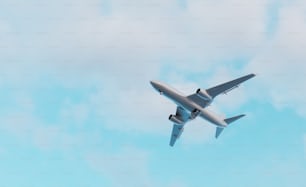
(175,119)
(204,95)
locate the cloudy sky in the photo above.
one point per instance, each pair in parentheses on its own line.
(77,108)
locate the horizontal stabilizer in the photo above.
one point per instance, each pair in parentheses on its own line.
(218,131)
(231,120)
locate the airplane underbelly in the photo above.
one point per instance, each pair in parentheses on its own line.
(187,105)
(213,118)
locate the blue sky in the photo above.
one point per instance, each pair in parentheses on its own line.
(77,108)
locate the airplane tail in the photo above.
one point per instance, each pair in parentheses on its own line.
(228,121)
(232,119)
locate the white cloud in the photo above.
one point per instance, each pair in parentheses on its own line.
(77,113)
(198,132)
(281,64)
(133,110)
(127,167)
(131,41)
(118,53)
(139,34)
(26,128)
(22,123)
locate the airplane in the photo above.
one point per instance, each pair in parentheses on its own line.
(192,106)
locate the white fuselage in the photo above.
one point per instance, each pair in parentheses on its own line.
(187,103)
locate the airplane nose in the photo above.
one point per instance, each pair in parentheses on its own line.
(156,85)
(153,84)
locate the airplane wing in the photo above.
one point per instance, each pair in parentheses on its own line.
(197,99)
(177,129)
(228,86)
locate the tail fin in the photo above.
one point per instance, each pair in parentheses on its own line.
(231,120)
(228,121)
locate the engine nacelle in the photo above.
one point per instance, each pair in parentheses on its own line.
(204,95)
(175,119)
